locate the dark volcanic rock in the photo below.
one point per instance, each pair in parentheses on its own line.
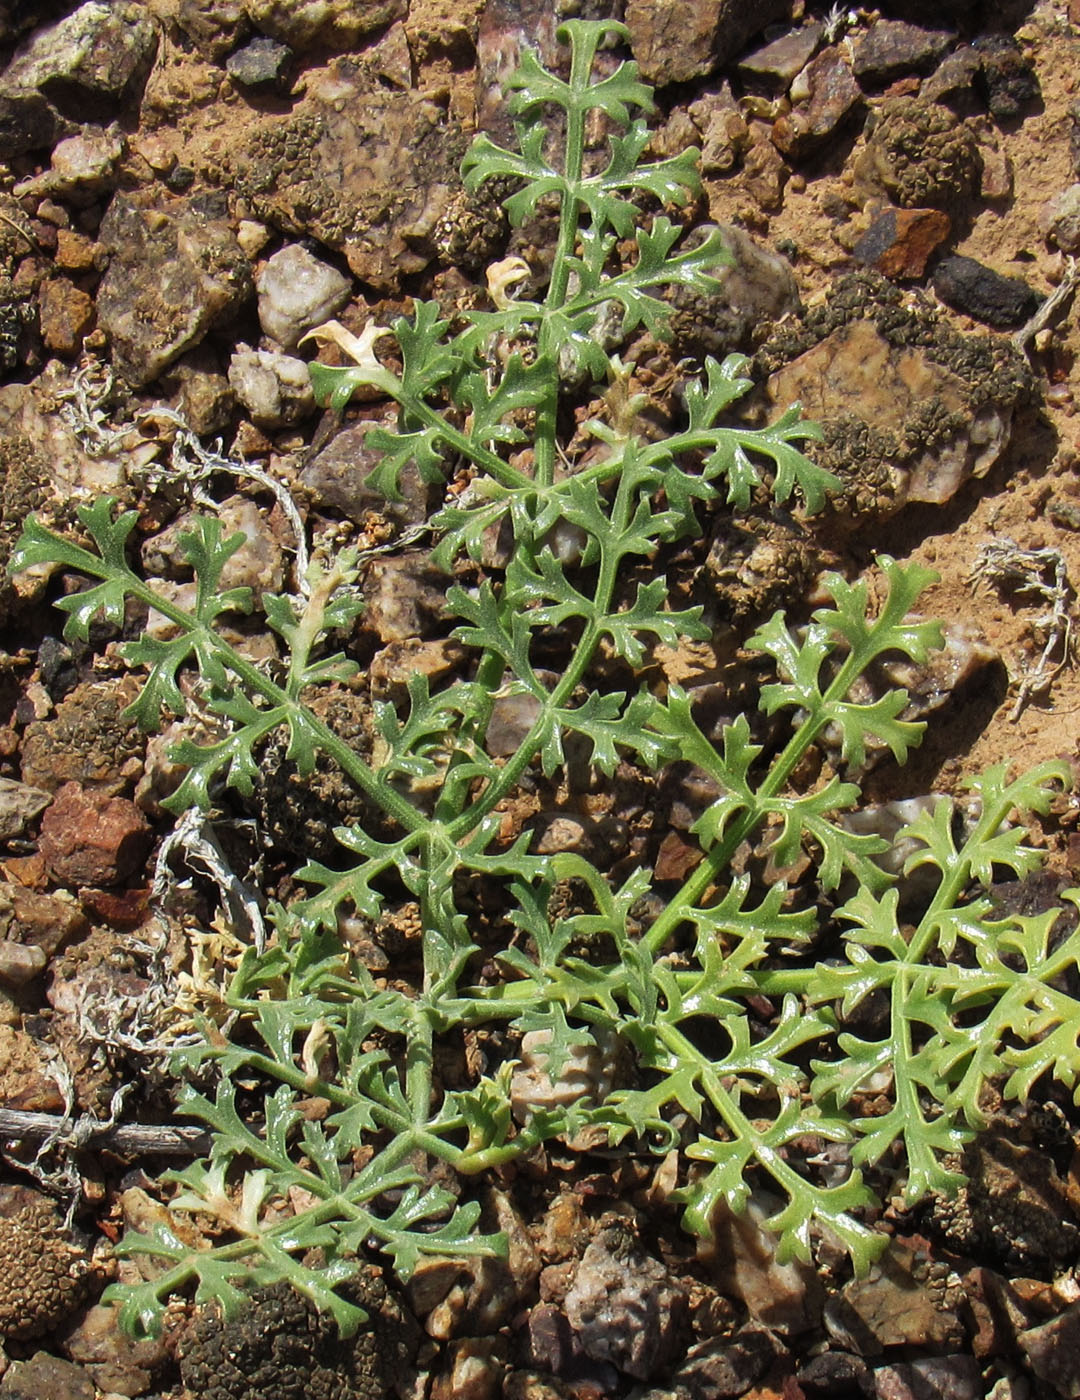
(986,295)
(1006,77)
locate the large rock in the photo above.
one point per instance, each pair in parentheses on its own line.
(368,172)
(176,270)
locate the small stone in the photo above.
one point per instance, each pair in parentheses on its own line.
(1006,77)
(677,43)
(779,61)
(560,834)
(1060,219)
(67,316)
(1053,1351)
(891,48)
(88,838)
(978,291)
(206,399)
(785,1298)
(77,253)
(891,1307)
(19,965)
(82,168)
(625,1306)
(263,65)
(87,740)
(475,1372)
(406,598)
(46,1377)
(900,242)
(943,1377)
(258,564)
(953,80)
(393,667)
(19,805)
(835,1375)
(275,389)
(832,96)
(297,292)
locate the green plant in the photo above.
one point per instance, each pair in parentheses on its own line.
(731,1022)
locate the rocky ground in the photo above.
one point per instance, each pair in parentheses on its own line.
(186,188)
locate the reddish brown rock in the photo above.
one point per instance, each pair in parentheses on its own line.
(1053,1351)
(900,242)
(676,43)
(90,839)
(67,316)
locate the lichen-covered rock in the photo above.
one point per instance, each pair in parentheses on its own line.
(366,171)
(213,26)
(284,1348)
(175,270)
(756,287)
(46,1377)
(333,24)
(43,1277)
(86,740)
(920,154)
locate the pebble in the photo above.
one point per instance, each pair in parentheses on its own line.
(335,24)
(46,1377)
(88,838)
(115,1361)
(943,1377)
(1006,77)
(785,1298)
(259,563)
(274,388)
(298,291)
(900,242)
(978,291)
(625,1306)
(779,61)
(1053,1351)
(20,803)
(721,1368)
(335,479)
(97,57)
(82,166)
(832,96)
(1060,220)
(892,1307)
(834,1373)
(213,26)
